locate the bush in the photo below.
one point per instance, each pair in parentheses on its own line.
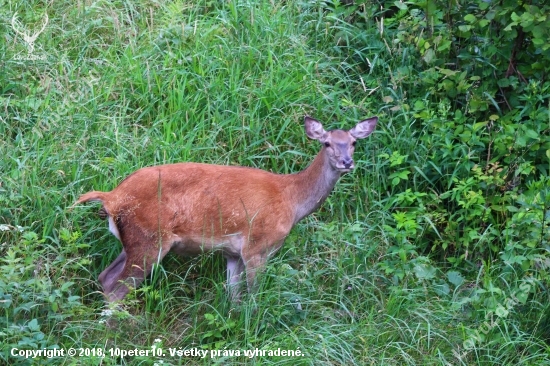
(467,146)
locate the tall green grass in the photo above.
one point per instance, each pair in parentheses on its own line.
(130,84)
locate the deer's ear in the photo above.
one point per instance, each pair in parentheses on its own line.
(364,128)
(314,129)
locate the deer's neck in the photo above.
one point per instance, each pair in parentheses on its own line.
(310,187)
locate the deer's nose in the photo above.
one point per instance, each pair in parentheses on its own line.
(347,162)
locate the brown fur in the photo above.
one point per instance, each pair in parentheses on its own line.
(191,207)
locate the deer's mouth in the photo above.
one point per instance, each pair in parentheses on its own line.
(345,170)
(345,167)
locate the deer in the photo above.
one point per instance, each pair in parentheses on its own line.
(190,208)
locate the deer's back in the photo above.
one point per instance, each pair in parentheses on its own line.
(202,200)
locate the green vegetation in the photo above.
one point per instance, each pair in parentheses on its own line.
(434,251)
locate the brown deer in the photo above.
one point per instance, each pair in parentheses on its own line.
(190,208)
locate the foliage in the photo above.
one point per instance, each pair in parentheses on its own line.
(467,181)
(38,301)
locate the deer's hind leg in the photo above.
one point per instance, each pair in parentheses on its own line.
(109,276)
(235,268)
(130,272)
(141,252)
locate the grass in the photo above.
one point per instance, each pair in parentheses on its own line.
(124,85)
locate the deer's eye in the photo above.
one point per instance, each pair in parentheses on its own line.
(327,144)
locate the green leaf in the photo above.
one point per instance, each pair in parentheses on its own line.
(501,312)
(33,325)
(478,125)
(441,288)
(447,72)
(66,285)
(539,31)
(470,18)
(444,45)
(424,271)
(429,56)
(532,134)
(509,26)
(400,5)
(455,278)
